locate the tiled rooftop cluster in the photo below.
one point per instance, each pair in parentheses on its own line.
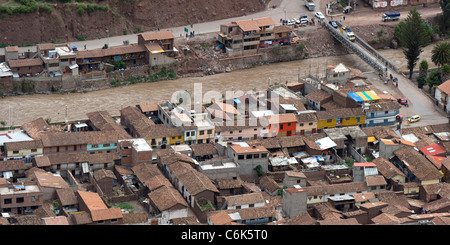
(295,162)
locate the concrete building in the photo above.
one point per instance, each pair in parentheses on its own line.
(248,157)
(294,201)
(442,96)
(20,198)
(134,151)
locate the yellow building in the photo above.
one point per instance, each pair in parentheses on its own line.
(160,136)
(340,118)
(23,150)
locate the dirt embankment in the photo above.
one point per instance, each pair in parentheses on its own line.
(65,23)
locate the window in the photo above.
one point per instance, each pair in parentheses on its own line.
(289,124)
(209,131)
(15,152)
(329,120)
(106,145)
(301,124)
(8,201)
(256,156)
(240,157)
(33,199)
(281,126)
(19,200)
(263,155)
(310,124)
(250,156)
(179,137)
(33,150)
(202,132)
(94,146)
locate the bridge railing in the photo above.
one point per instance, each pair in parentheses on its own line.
(368,48)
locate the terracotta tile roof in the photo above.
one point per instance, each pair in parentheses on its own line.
(25,62)
(81,218)
(243,199)
(282,118)
(160,35)
(21,145)
(228,183)
(220,218)
(391,198)
(363,197)
(375,180)
(204,149)
(147,107)
(292,141)
(383,106)
(104,173)
(97,208)
(283,28)
(340,113)
(49,180)
(12,165)
(269,184)
(106,214)
(255,213)
(167,198)
(387,168)
(66,196)
(98,53)
(418,164)
(335,188)
(196,182)
(62,139)
(445,87)
(301,219)
(190,220)
(12,49)
(319,96)
(46,46)
(350,221)
(79,157)
(57,220)
(135,218)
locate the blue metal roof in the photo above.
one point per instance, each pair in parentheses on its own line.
(356,97)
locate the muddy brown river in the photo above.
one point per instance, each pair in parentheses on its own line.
(53,106)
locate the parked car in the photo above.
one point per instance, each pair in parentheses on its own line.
(319,15)
(402,101)
(414,118)
(303,19)
(333,24)
(295,21)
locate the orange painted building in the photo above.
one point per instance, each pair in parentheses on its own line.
(282,124)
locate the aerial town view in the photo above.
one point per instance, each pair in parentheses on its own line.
(217,113)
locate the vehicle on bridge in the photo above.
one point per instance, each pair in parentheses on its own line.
(333,24)
(390,16)
(345,31)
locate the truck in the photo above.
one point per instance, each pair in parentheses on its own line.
(310,5)
(346,32)
(390,16)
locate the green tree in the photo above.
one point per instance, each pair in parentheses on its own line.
(444,18)
(413,35)
(423,68)
(433,79)
(440,54)
(445,72)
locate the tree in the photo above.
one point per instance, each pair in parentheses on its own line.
(444,18)
(413,35)
(445,72)
(433,79)
(423,68)
(440,54)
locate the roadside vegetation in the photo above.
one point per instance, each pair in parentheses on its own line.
(18,7)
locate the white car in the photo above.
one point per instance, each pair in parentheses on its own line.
(319,15)
(295,21)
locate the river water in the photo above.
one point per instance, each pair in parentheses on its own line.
(54,106)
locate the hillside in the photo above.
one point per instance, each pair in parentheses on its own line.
(27,22)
